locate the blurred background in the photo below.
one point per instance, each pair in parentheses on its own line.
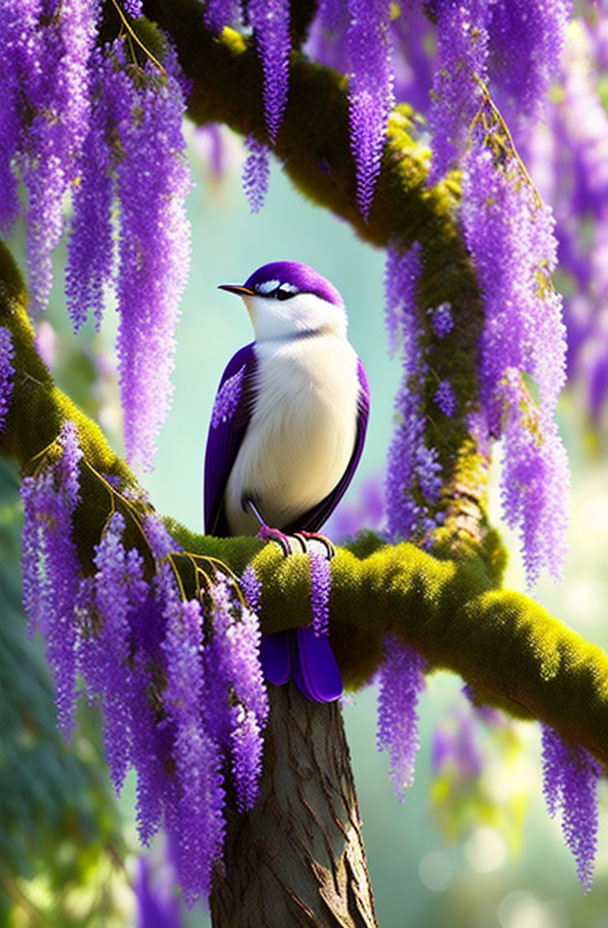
(472,846)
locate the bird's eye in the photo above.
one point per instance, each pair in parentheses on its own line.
(283,294)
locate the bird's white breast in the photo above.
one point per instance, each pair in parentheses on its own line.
(302,431)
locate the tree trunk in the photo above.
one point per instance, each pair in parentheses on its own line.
(297,860)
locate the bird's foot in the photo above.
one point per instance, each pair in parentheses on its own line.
(297,542)
(322,540)
(289,544)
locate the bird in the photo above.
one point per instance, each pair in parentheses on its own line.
(286,434)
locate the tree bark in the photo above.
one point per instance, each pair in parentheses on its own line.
(297,860)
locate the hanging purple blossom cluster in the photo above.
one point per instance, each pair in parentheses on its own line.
(45,107)
(462,51)
(156,902)
(256,173)
(385,48)
(518,49)
(509,233)
(99,125)
(512,49)
(178,680)
(269,20)
(370,90)
(413,479)
(355,36)
(51,587)
(7,373)
(456,748)
(320,578)
(568,155)
(401,680)
(570,777)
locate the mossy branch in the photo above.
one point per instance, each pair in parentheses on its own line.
(511,651)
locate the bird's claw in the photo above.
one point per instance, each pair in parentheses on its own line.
(322,540)
(288,543)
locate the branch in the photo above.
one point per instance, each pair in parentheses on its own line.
(512,652)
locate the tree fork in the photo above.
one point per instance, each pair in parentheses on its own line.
(297,859)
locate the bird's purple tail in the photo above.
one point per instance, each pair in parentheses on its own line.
(306,657)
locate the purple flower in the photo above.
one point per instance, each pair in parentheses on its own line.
(256,173)
(354,37)
(157,535)
(247,747)
(252,589)
(211,144)
(132,8)
(89,127)
(242,647)
(462,40)
(535,481)
(401,275)
(74,119)
(119,588)
(182,693)
(48,59)
(154,250)
(320,578)
(326,41)
(445,399)
(235,682)
(91,251)
(412,38)
(509,233)
(576,180)
(442,320)
(151,736)
(413,480)
(157,901)
(401,680)
(197,823)
(220,13)
(269,20)
(370,90)
(455,746)
(51,569)
(527,38)
(69,463)
(7,373)
(17,23)
(570,776)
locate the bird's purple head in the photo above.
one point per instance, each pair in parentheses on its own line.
(284,279)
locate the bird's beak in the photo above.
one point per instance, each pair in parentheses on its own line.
(236,288)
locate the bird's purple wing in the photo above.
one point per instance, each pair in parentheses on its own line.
(229,420)
(312,520)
